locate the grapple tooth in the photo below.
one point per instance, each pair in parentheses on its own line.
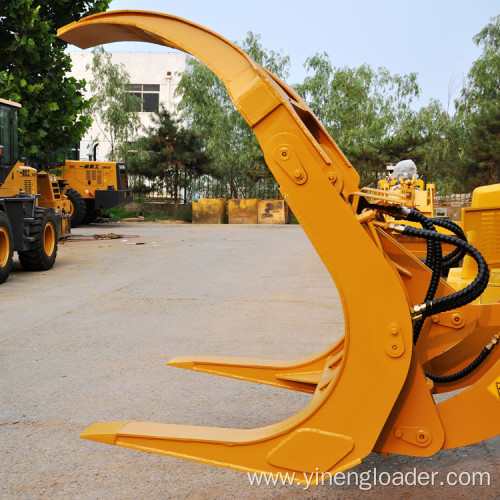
(103,432)
(299,375)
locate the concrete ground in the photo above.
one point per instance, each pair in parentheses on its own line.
(88,341)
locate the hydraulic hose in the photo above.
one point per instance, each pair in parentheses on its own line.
(434,260)
(461,297)
(454,257)
(434,252)
(457,299)
(443,379)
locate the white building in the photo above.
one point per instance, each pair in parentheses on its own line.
(153,77)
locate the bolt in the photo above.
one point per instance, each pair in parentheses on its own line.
(285,154)
(332,176)
(398,433)
(298,174)
(422,436)
(435,318)
(394,330)
(456,318)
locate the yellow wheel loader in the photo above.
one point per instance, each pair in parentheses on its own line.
(403,186)
(26,225)
(408,334)
(93,186)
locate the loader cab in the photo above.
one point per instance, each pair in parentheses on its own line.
(9,150)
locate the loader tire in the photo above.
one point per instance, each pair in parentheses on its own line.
(91,213)
(42,251)
(6,247)
(78,209)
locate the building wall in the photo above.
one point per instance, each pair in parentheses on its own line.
(163,69)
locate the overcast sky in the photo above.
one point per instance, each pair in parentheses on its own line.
(430,37)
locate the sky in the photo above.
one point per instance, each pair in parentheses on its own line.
(430,37)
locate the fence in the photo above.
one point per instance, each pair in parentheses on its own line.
(203,187)
(453,200)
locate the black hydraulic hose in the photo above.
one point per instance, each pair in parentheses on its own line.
(454,257)
(461,297)
(433,261)
(457,299)
(434,252)
(436,263)
(443,379)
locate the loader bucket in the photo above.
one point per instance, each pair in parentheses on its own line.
(343,422)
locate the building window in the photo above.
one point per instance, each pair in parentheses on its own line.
(149,96)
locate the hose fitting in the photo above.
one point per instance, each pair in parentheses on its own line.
(417,311)
(493,342)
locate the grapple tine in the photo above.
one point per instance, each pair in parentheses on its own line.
(299,375)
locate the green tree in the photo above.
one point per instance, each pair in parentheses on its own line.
(440,152)
(33,70)
(238,162)
(113,108)
(168,156)
(479,109)
(367,112)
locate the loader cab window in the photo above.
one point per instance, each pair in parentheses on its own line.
(8,135)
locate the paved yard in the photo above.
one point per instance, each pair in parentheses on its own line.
(88,341)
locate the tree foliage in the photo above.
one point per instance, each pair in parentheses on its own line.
(113,108)
(439,153)
(206,106)
(372,114)
(367,112)
(33,70)
(478,108)
(168,155)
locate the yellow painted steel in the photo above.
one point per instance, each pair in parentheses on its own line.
(369,389)
(243,211)
(415,193)
(209,210)
(50,194)
(481,224)
(22,179)
(87,176)
(5,247)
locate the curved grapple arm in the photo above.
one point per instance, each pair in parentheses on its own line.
(344,421)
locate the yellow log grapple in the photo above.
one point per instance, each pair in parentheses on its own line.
(429,340)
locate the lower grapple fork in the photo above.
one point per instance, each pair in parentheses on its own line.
(300,375)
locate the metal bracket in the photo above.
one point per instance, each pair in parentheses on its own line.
(289,161)
(395,346)
(420,436)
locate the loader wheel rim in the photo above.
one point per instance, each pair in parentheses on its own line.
(49,239)
(71,208)
(4,247)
